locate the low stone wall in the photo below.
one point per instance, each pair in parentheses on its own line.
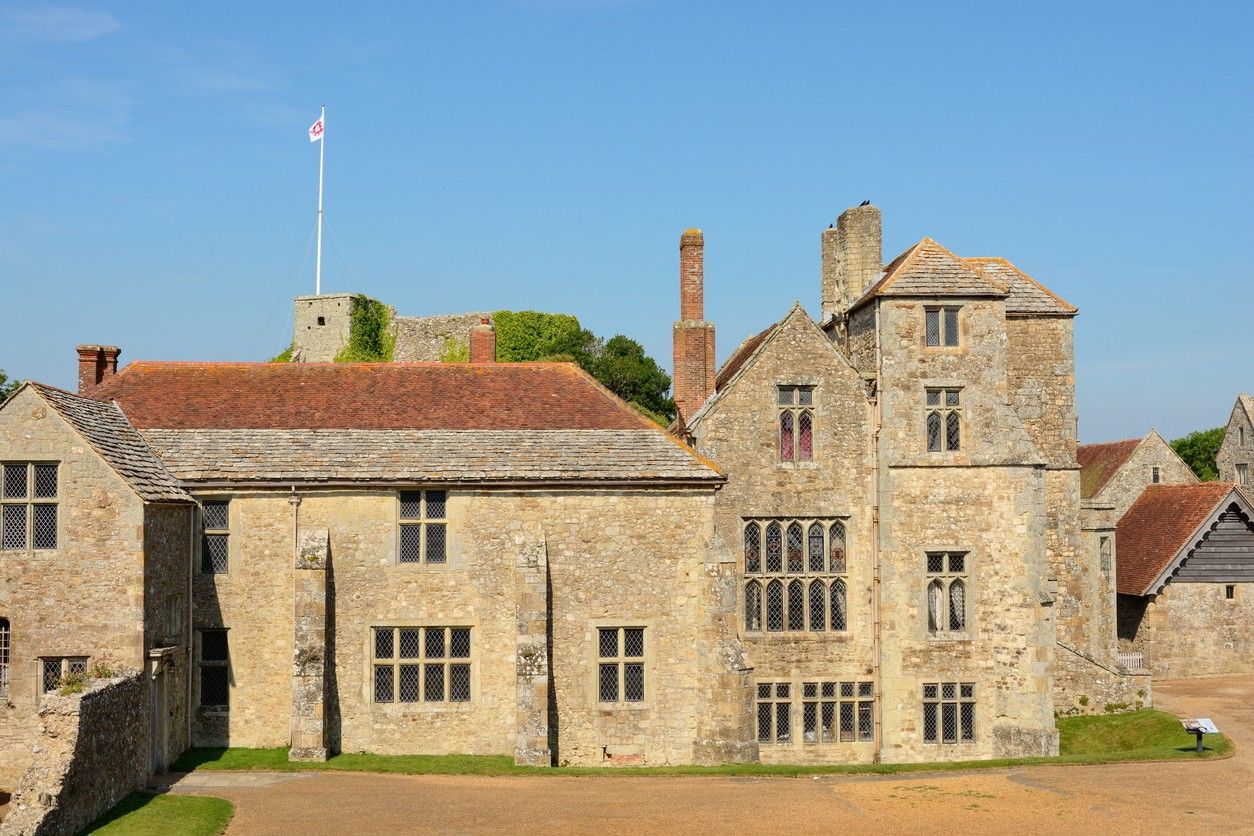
(90,752)
(1084,685)
(427,338)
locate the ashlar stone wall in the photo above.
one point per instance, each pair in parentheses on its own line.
(1125,487)
(91,751)
(82,599)
(1237,448)
(1191,629)
(741,432)
(621,557)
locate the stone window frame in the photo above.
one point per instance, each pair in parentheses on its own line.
(802,703)
(421,706)
(941,696)
(215,664)
(796,403)
(772,700)
(833,577)
(1242,473)
(63,666)
(1156,474)
(944,402)
(945,579)
(649,661)
(6,639)
(26,506)
(424,662)
(212,534)
(1231,592)
(948,320)
(424,524)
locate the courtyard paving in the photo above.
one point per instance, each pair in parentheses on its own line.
(1208,796)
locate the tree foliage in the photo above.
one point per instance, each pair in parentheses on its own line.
(1199,449)
(7,386)
(622,367)
(523,336)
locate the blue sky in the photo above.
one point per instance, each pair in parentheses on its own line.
(157,189)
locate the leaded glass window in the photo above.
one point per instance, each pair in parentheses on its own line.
(215,537)
(774,711)
(940,327)
(944,420)
(803,562)
(421,664)
(949,712)
(947,578)
(837,712)
(796,423)
(620,665)
(25,524)
(215,689)
(423,536)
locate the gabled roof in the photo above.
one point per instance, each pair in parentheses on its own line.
(1027,296)
(1158,527)
(377,396)
(108,432)
(928,269)
(395,422)
(1100,462)
(1247,401)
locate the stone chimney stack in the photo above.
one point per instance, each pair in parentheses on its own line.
(852,254)
(483,342)
(694,336)
(96,364)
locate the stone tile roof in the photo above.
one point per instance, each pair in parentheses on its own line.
(1157,526)
(740,355)
(116,441)
(415,396)
(1100,462)
(1248,402)
(366,455)
(928,269)
(1027,296)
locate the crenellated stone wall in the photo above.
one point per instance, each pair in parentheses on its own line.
(90,753)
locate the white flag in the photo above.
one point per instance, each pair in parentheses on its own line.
(316,130)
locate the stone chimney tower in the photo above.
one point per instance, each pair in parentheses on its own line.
(852,255)
(694,336)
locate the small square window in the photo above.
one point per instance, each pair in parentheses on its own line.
(786,395)
(1230,592)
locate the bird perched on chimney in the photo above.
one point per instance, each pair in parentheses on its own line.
(831,226)
(865,203)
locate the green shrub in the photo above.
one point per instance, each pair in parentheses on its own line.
(370,340)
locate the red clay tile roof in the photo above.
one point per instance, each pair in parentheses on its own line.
(1157,526)
(377,396)
(1100,462)
(740,355)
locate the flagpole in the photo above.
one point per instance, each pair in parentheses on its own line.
(322,150)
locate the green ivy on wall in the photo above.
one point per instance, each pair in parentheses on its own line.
(370,340)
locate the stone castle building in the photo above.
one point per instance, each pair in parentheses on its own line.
(320,327)
(862,540)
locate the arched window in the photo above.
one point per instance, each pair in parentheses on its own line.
(753,606)
(4,657)
(796,559)
(933,432)
(816,548)
(775,606)
(840,619)
(753,548)
(805,437)
(774,548)
(952,431)
(818,606)
(935,606)
(786,452)
(796,605)
(838,547)
(957,606)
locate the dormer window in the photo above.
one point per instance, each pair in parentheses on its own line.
(941,327)
(796,423)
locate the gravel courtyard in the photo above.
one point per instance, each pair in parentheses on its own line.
(1209,796)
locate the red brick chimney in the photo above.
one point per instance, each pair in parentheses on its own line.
(96,364)
(694,336)
(483,342)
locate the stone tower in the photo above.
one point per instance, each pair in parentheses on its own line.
(694,335)
(321,327)
(852,257)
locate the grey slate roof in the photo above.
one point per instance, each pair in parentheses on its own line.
(355,455)
(111,435)
(928,269)
(1027,295)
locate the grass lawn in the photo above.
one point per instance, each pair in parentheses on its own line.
(1139,735)
(145,814)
